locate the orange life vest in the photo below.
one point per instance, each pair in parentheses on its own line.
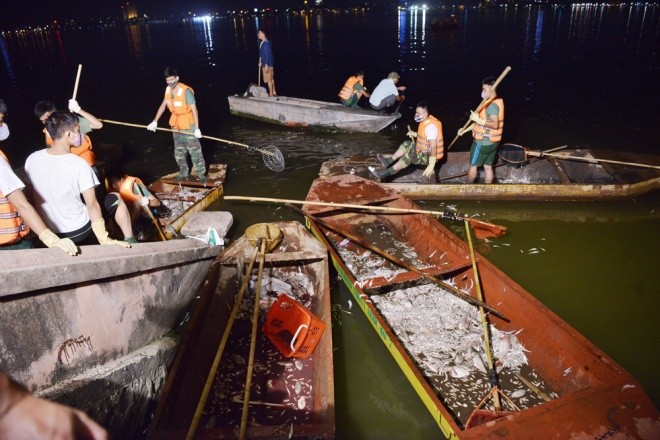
(423,144)
(12,226)
(347,91)
(126,189)
(182,116)
(495,135)
(84,150)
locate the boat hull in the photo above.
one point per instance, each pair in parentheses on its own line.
(596,396)
(295,112)
(547,179)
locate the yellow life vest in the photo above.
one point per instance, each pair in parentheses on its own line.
(84,150)
(182,116)
(423,144)
(347,91)
(495,135)
(126,189)
(12,226)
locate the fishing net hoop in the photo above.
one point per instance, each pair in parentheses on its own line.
(273,158)
(512,153)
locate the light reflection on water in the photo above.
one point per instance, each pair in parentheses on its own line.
(581,76)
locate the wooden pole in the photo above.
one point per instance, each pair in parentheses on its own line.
(143,191)
(495,230)
(75,87)
(253,339)
(355,239)
(492,373)
(221,348)
(587,159)
(483,101)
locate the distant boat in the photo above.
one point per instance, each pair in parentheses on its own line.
(564,386)
(437,25)
(298,112)
(547,178)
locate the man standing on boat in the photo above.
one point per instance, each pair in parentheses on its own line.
(426,150)
(87,121)
(266,61)
(180,101)
(353,90)
(17,215)
(486,131)
(59,179)
(386,93)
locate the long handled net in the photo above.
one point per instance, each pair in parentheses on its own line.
(271,155)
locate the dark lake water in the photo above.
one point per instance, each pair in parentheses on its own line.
(582,76)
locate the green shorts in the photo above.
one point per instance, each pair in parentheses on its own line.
(482,153)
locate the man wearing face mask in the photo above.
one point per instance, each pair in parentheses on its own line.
(59,179)
(87,122)
(426,150)
(487,129)
(180,101)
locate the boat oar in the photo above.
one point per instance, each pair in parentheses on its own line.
(75,87)
(271,155)
(484,229)
(143,191)
(221,348)
(513,153)
(365,244)
(483,102)
(253,339)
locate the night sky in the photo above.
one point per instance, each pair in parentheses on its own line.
(16,13)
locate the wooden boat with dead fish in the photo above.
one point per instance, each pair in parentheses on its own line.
(546,178)
(562,385)
(290,397)
(308,113)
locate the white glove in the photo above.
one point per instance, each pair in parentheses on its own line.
(144,201)
(74,106)
(152,126)
(198,133)
(475,117)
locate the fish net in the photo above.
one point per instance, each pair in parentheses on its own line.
(512,153)
(273,158)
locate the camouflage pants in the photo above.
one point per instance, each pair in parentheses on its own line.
(187,143)
(411,156)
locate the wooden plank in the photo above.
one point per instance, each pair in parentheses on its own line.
(560,170)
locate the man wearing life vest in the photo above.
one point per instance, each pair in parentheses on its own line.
(87,121)
(63,185)
(426,150)
(486,131)
(180,101)
(353,90)
(17,215)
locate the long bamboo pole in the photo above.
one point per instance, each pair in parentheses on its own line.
(492,373)
(221,348)
(496,230)
(587,159)
(483,101)
(75,87)
(355,239)
(143,191)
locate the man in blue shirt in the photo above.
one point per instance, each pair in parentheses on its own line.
(266,61)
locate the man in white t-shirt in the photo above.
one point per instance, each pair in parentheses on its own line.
(426,150)
(59,178)
(386,93)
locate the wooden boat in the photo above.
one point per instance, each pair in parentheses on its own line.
(298,112)
(590,396)
(309,412)
(185,198)
(92,330)
(548,178)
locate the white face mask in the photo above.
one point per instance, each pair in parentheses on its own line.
(173,83)
(419,118)
(484,94)
(78,141)
(4,132)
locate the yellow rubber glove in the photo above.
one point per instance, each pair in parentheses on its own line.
(49,238)
(475,117)
(411,134)
(462,131)
(98,226)
(429,169)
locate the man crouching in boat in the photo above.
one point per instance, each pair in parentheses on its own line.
(427,150)
(136,196)
(60,178)
(486,131)
(353,90)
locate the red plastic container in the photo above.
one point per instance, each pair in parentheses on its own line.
(293,329)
